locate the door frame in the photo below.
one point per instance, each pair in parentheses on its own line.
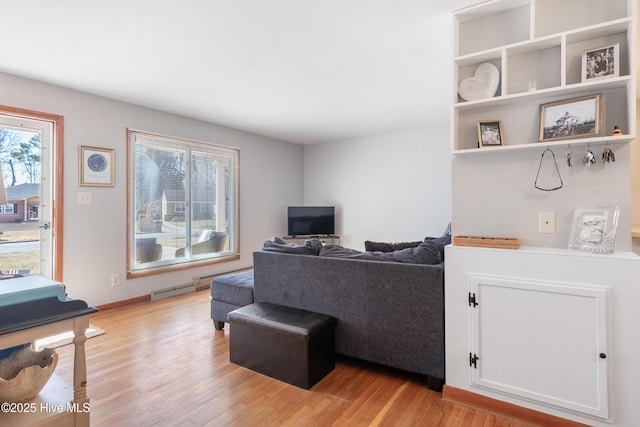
(57,174)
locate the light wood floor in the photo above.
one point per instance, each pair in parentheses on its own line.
(163,364)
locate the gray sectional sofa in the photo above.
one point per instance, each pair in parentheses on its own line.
(388,312)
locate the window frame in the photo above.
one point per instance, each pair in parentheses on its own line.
(190,261)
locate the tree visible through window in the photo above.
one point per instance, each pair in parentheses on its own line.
(21,169)
(182,203)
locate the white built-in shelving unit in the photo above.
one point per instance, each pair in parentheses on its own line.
(540,328)
(541,41)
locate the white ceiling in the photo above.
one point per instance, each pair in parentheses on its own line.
(296,70)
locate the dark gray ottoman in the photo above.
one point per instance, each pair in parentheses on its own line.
(229,293)
(292,345)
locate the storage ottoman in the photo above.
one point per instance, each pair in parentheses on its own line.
(292,345)
(228,293)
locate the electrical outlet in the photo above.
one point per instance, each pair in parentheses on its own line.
(547,222)
(85,198)
(115,279)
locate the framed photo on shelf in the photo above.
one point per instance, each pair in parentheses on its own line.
(489,133)
(594,229)
(601,63)
(570,118)
(96,167)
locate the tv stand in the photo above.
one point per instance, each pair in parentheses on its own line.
(324,238)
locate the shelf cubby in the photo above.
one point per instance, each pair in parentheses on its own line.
(557,16)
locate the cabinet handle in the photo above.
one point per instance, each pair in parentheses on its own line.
(603,356)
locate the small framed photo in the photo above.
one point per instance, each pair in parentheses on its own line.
(594,229)
(489,133)
(601,63)
(570,118)
(96,167)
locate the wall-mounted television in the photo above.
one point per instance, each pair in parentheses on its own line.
(310,220)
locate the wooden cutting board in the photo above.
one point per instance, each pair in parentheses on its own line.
(487,242)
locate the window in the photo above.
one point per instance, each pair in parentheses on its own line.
(7,209)
(33,212)
(182,203)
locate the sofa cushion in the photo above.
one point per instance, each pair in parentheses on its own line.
(206,234)
(370,246)
(276,244)
(444,240)
(235,289)
(427,252)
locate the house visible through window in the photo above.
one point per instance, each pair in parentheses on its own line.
(182,203)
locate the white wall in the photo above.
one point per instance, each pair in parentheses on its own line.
(494,194)
(391,188)
(635,183)
(271,177)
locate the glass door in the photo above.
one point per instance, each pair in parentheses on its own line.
(26,235)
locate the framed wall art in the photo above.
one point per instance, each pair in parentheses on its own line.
(489,133)
(594,229)
(96,167)
(601,63)
(570,118)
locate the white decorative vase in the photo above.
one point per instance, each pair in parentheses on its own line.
(25,372)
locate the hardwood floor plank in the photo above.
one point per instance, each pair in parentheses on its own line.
(162,363)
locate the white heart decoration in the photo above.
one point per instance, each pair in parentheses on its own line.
(483,84)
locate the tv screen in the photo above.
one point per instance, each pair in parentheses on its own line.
(310,220)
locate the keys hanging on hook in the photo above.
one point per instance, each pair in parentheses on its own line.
(607,155)
(569,152)
(589,158)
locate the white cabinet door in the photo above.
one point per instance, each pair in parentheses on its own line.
(524,343)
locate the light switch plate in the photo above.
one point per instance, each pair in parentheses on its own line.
(85,198)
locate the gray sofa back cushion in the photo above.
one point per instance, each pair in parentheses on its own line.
(370,246)
(427,252)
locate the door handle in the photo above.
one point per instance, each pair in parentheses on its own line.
(46,225)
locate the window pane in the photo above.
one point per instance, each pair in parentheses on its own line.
(209,234)
(182,194)
(159,190)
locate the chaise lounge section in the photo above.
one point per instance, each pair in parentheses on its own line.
(228,293)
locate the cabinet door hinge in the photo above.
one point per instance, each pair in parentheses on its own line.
(473,360)
(472,300)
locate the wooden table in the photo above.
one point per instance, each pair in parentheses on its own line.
(58,404)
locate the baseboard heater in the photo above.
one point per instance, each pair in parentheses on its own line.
(172,291)
(202,282)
